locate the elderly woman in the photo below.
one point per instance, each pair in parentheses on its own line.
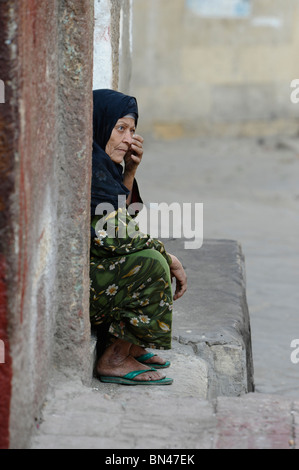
(131,273)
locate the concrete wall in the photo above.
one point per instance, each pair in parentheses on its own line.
(45,165)
(46,78)
(194,73)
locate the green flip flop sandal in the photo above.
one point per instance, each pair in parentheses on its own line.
(128,379)
(147,356)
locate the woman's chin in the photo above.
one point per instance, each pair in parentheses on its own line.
(117,159)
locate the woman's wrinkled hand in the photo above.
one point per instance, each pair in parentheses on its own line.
(134,155)
(177,271)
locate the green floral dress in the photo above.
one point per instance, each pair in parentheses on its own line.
(130,282)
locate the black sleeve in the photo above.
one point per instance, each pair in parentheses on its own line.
(135,198)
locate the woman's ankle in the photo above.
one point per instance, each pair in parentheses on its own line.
(115,354)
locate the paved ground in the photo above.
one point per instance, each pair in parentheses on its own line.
(114,417)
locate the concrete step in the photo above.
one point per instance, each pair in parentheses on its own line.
(212,317)
(116,417)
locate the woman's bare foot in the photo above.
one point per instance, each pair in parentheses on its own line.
(117,361)
(137,351)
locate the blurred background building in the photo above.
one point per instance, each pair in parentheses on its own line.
(215,67)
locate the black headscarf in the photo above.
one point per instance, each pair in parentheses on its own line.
(107,176)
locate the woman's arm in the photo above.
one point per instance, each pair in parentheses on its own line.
(132,160)
(128,182)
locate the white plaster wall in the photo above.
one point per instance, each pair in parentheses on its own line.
(112,44)
(102,56)
(125,46)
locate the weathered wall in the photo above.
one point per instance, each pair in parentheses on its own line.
(112,44)
(75,65)
(45,135)
(195,74)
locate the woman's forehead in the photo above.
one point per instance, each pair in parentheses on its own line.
(128,121)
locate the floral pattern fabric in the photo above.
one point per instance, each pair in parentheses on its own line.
(130,282)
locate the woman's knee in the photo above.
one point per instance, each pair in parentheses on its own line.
(157,257)
(158,264)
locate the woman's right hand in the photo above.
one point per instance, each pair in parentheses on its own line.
(177,271)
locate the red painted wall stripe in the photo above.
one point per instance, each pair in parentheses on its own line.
(6,368)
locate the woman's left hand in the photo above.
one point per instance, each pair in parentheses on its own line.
(134,155)
(177,271)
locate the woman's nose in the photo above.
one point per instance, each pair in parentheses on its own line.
(128,137)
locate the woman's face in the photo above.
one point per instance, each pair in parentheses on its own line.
(121,139)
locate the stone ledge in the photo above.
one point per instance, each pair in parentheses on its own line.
(213,316)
